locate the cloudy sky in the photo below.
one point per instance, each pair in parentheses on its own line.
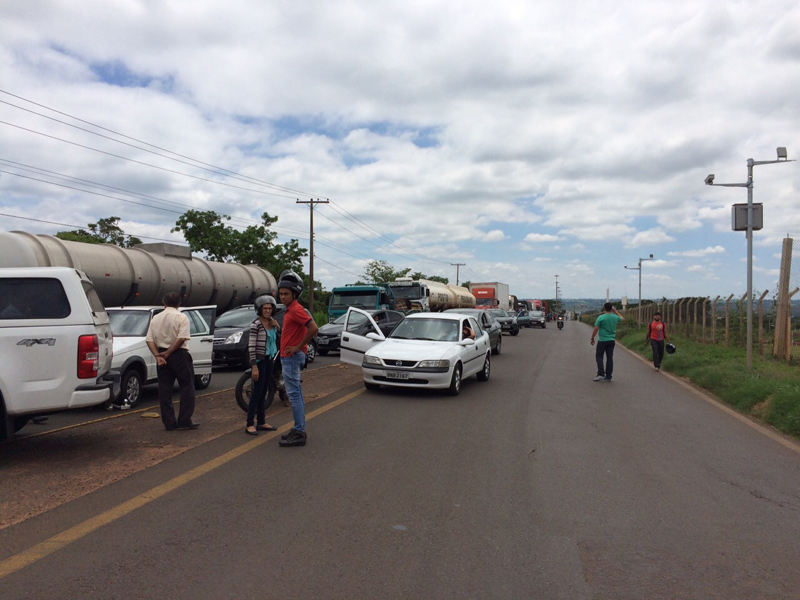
(523,139)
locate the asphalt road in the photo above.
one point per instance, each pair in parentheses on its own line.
(537,484)
(222,378)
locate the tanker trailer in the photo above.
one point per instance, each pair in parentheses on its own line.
(464,298)
(141,275)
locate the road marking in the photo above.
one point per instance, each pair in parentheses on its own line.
(58,541)
(778,437)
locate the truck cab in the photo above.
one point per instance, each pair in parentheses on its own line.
(367,297)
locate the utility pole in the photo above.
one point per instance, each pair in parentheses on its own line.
(457,265)
(311,202)
(555,307)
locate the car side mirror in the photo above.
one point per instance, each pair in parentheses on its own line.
(467,342)
(374,336)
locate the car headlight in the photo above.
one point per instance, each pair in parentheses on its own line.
(434,363)
(371,360)
(234,338)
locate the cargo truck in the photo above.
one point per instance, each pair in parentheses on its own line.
(368,297)
(423,295)
(492,294)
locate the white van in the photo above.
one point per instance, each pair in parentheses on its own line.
(56,345)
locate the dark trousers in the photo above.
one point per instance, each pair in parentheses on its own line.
(658,352)
(607,349)
(181,367)
(264,387)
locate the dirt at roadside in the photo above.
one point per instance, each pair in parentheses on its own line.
(42,472)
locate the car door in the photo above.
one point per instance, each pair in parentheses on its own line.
(354,345)
(474,353)
(201,340)
(490,325)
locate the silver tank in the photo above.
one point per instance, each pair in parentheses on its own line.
(141,275)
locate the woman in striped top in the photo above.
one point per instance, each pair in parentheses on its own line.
(262,347)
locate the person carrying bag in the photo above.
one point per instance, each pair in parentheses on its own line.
(657,336)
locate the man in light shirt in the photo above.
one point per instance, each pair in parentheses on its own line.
(167,338)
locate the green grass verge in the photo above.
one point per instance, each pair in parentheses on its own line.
(771,392)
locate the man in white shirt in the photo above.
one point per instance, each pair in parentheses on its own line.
(167,338)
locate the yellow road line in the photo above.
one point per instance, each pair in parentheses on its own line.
(781,439)
(58,541)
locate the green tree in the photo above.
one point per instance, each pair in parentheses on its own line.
(438,278)
(105,231)
(380,271)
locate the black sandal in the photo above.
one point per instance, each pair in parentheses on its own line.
(248,432)
(265,428)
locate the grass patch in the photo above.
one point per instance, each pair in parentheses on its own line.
(771,392)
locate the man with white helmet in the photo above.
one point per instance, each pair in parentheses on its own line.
(298,329)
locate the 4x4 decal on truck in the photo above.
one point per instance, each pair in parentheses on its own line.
(41,341)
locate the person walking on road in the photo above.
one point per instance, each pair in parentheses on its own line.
(262,347)
(606,325)
(657,336)
(168,338)
(298,329)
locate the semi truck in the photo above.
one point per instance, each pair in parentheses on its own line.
(142,275)
(424,295)
(368,297)
(491,294)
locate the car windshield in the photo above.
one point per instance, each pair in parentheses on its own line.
(537,313)
(434,330)
(341,320)
(129,323)
(236,318)
(498,312)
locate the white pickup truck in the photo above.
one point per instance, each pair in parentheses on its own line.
(56,345)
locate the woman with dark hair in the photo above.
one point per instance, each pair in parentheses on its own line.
(657,336)
(263,348)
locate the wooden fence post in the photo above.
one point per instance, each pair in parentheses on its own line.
(694,320)
(784,311)
(688,318)
(728,320)
(788,347)
(761,322)
(705,304)
(714,320)
(742,318)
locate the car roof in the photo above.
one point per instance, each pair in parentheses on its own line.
(429,315)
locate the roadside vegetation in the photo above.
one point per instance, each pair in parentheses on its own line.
(771,392)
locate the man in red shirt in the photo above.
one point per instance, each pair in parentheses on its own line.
(657,336)
(298,329)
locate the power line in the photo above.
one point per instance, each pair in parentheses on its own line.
(337,266)
(199,162)
(147,237)
(139,162)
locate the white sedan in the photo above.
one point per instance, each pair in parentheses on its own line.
(426,350)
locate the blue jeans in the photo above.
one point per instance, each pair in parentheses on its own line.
(291,378)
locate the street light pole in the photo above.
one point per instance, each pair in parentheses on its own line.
(782,157)
(639,268)
(556,300)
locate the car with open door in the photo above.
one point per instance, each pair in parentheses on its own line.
(425,350)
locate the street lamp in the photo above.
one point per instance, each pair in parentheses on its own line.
(639,268)
(555,302)
(782,157)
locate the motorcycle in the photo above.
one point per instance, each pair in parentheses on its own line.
(560,323)
(244,387)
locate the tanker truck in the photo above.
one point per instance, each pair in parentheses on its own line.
(144,274)
(423,295)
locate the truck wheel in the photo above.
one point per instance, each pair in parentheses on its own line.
(455,382)
(201,382)
(130,391)
(483,375)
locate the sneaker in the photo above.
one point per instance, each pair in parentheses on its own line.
(599,378)
(608,379)
(296,438)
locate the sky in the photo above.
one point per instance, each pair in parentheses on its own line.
(524,140)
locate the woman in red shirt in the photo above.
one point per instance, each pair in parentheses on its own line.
(657,336)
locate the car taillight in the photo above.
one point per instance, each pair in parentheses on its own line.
(88,357)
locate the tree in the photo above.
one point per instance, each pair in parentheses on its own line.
(380,271)
(105,231)
(438,278)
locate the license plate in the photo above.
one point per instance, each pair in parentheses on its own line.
(396,375)
(323,341)
(506,326)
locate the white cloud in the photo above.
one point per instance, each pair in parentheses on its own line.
(710,250)
(541,237)
(494,236)
(649,237)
